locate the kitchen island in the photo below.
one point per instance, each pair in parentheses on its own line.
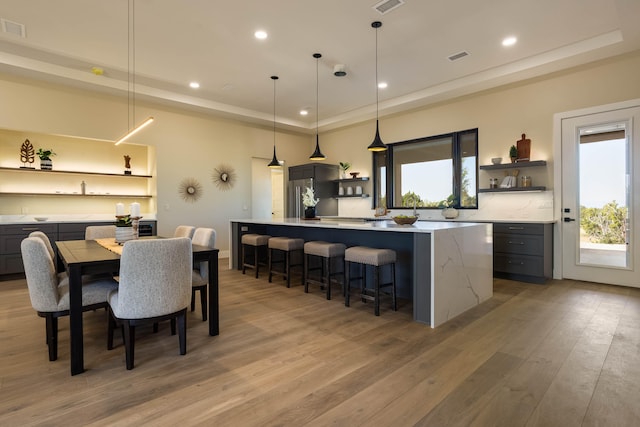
(444,268)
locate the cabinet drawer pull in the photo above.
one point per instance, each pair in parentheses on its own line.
(511,242)
(519,263)
(516,228)
(30,229)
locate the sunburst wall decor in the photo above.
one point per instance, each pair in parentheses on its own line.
(190,190)
(224,176)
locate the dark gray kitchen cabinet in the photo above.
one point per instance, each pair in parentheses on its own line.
(523,251)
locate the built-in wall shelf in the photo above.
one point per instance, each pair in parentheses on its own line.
(346,196)
(511,189)
(516,165)
(347,180)
(72,172)
(118,196)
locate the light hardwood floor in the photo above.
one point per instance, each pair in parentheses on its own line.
(561,354)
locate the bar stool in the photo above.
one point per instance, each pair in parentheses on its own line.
(377,258)
(287,246)
(328,252)
(257,241)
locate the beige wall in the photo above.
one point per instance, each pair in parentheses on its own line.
(191,145)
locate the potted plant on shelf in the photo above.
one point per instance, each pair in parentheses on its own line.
(513,153)
(309,202)
(344,167)
(45,158)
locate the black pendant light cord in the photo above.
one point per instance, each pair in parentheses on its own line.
(317,154)
(274,161)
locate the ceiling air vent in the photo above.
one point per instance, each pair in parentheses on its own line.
(387,5)
(458,55)
(13,28)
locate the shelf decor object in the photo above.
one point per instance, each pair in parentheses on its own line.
(27,154)
(127,164)
(224,176)
(45,158)
(523,149)
(190,190)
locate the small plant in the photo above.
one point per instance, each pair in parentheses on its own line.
(45,154)
(345,166)
(308,198)
(124,221)
(513,152)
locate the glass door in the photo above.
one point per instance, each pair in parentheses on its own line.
(598,203)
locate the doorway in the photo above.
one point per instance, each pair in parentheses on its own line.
(599,211)
(267,190)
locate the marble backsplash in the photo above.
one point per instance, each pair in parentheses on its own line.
(505,206)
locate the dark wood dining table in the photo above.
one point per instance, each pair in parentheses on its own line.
(81,257)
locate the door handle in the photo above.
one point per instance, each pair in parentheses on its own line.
(566,219)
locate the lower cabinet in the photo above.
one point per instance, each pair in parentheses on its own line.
(523,251)
(11,235)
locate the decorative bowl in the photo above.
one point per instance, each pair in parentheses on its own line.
(405,220)
(354,175)
(496,160)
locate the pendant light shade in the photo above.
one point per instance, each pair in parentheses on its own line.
(377,144)
(274,162)
(131,77)
(317,154)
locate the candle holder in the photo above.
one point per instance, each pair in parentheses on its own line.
(135,225)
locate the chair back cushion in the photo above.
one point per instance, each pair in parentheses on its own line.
(40,235)
(203,237)
(184,231)
(94,232)
(155,278)
(42,280)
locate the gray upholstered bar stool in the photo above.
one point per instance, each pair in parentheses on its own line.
(328,252)
(288,246)
(377,258)
(256,241)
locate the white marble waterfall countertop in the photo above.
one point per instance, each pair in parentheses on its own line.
(388,225)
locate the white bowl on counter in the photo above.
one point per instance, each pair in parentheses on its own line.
(40,218)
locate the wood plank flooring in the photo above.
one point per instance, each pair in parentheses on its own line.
(562,354)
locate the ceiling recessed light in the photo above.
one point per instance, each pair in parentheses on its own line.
(509,41)
(382,85)
(194,85)
(260,35)
(304,112)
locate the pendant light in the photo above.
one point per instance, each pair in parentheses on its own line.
(274,162)
(317,155)
(377,144)
(131,76)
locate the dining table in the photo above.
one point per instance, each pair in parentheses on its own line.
(81,257)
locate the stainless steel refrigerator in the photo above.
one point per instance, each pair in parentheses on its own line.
(322,178)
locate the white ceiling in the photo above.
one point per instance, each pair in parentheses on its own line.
(212,42)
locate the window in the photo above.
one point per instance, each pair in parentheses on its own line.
(431,172)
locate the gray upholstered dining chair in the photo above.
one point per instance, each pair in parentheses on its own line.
(42,236)
(94,232)
(200,279)
(184,231)
(155,285)
(50,295)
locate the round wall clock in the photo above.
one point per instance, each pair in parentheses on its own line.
(224,176)
(190,190)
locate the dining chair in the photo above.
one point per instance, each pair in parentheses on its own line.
(200,278)
(184,231)
(42,236)
(49,294)
(155,285)
(94,232)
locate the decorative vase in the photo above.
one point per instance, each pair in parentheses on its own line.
(124,234)
(310,212)
(450,213)
(46,165)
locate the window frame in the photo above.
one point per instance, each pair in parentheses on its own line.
(456,156)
